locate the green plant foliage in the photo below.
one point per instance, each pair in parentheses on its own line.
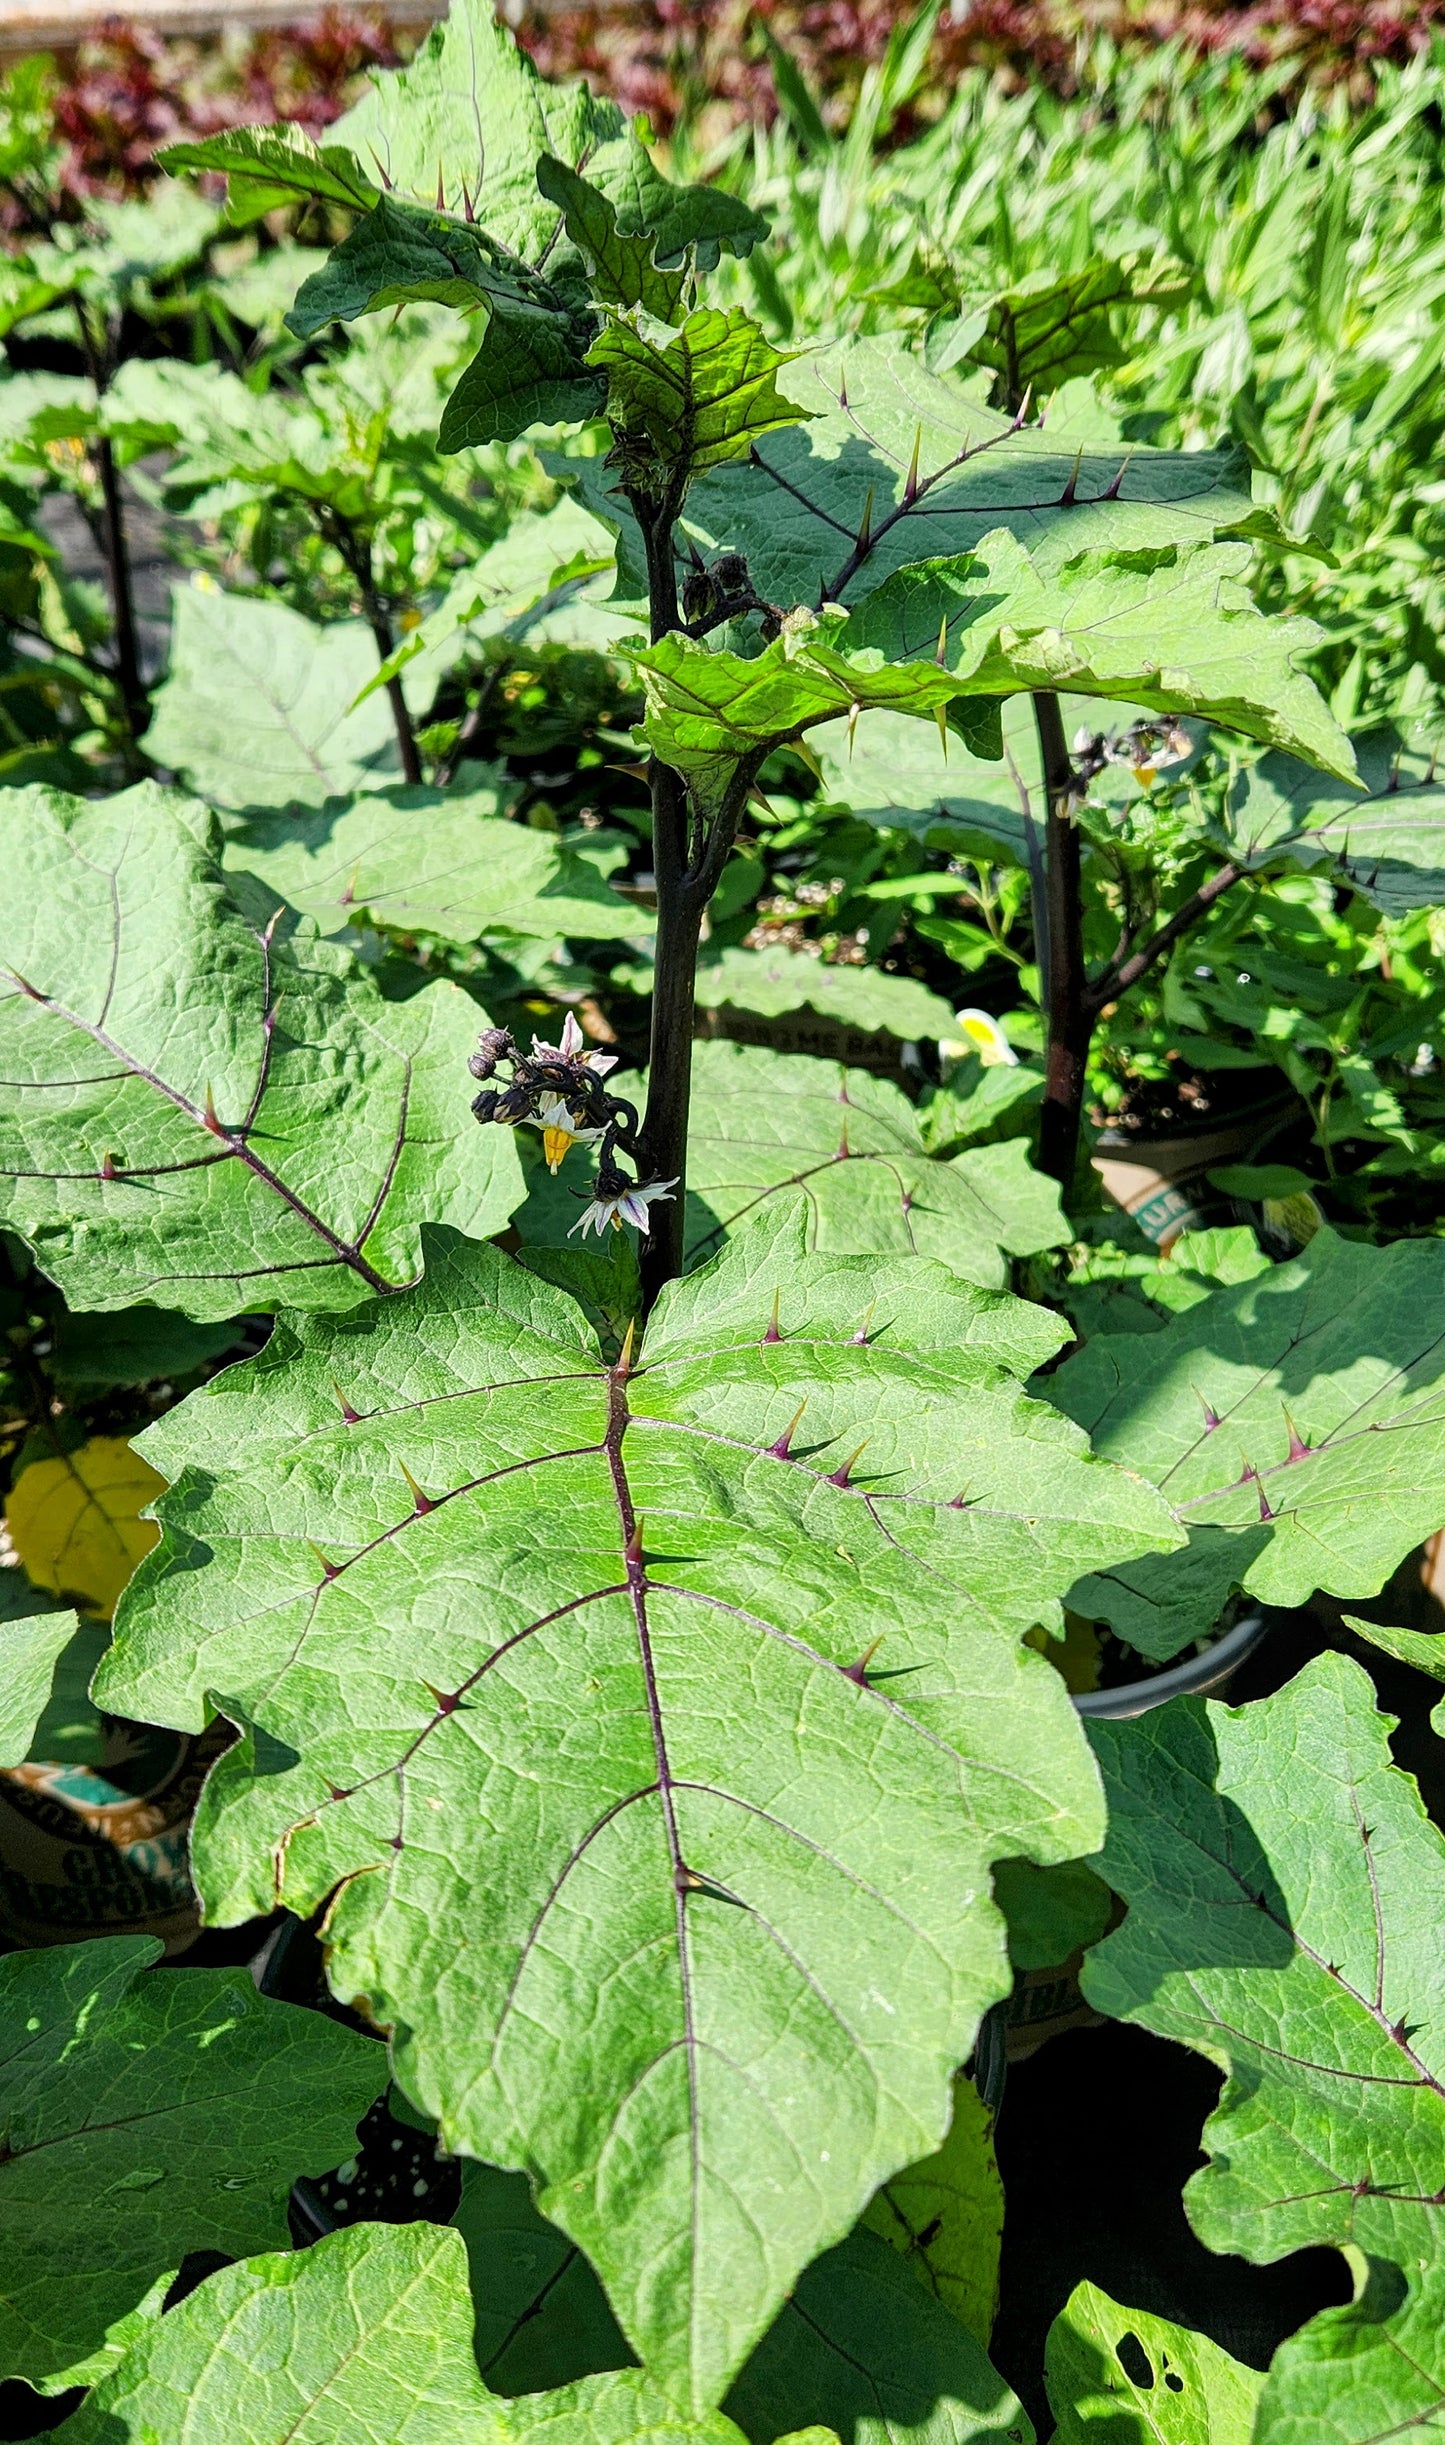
(867,2352)
(432,862)
(695,401)
(145,2117)
(1388,845)
(944,2216)
(1284,1889)
(139,1345)
(636,237)
(797,509)
(1358,2375)
(212,1110)
(258,709)
(1043,331)
(32,1644)
(542,2318)
(1172,2388)
(267,167)
(775,982)
(767,1125)
(684,1845)
(1293,1421)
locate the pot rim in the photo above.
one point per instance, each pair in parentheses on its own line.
(1195,1678)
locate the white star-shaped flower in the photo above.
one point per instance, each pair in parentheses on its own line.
(630,1207)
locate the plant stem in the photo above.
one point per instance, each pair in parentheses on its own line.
(1071,1016)
(355,550)
(135,701)
(669,1079)
(1118,978)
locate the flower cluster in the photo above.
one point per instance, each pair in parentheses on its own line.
(1145,748)
(558,1089)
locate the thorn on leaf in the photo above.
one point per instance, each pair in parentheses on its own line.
(859,1672)
(861,1336)
(107,1166)
(781,1449)
(843,1476)
(773,1332)
(623,1368)
(330,1569)
(422,1501)
(351,1416)
(209,1118)
(1298,1448)
(910,482)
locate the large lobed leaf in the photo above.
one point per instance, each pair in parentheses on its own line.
(430,861)
(797,508)
(203,1109)
(662,1901)
(1387,843)
(766,1126)
(1296,1422)
(1168,2386)
(1285,1893)
(145,2117)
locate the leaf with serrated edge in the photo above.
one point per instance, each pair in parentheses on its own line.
(30,1649)
(773,1907)
(864,2350)
(267,166)
(1193,2394)
(1285,1893)
(767,1124)
(1302,1412)
(200,1116)
(145,2117)
(696,399)
(430,862)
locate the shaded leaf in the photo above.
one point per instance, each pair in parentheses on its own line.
(776,981)
(944,2216)
(777,1947)
(1051,1912)
(865,2351)
(530,369)
(1166,2386)
(1285,1891)
(140,1345)
(402,253)
(1047,329)
(202,1115)
(30,1649)
(255,711)
(1301,1412)
(542,2318)
(74,1520)
(432,862)
(1364,2374)
(797,509)
(1387,842)
(768,1124)
(145,2117)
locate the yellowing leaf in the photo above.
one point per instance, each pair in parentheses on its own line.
(945,2215)
(75,1520)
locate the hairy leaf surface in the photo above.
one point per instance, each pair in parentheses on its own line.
(145,2117)
(765,1125)
(202,1110)
(432,862)
(1172,2387)
(1299,1415)
(1285,1892)
(500,1716)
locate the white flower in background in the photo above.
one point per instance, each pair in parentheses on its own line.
(629,1206)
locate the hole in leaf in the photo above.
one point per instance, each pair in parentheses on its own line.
(1173,2381)
(1134,2361)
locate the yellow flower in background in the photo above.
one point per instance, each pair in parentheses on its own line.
(75,1523)
(981,1034)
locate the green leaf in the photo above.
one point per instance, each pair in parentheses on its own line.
(145,2117)
(271,166)
(694,401)
(1298,1416)
(1047,329)
(1051,1912)
(400,254)
(896,772)
(542,2318)
(864,2350)
(138,1346)
(797,509)
(773,1907)
(202,1116)
(765,1125)
(530,369)
(470,118)
(1388,843)
(775,982)
(637,230)
(944,2216)
(1173,2387)
(255,711)
(1364,2374)
(429,862)
(365,2335)
(32,1647)
(1425,1649)
(1285,1891)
